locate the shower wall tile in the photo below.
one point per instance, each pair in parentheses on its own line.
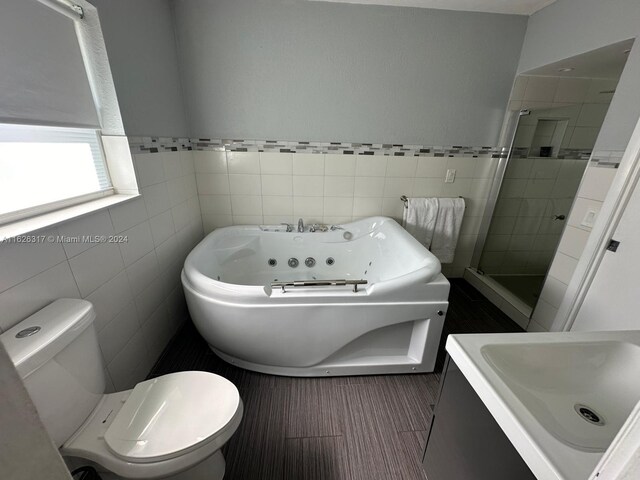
(269,187)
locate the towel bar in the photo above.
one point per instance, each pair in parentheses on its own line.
(318,283)
(405,200)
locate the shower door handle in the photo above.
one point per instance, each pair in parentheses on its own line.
(559,217)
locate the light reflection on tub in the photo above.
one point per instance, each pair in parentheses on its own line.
(390,325)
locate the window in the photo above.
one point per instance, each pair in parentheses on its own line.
(45,168)
(63,149)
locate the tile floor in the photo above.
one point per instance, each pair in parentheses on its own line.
(367,427)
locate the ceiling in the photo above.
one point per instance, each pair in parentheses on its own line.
(517,7)
(605,62)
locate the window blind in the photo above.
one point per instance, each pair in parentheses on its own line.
(43,78)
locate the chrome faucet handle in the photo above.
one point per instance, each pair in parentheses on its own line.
(300,225)
(336,227)
(289,227)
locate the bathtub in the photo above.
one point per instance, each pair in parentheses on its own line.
(263,299)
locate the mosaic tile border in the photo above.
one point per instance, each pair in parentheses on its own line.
(161,144)
(158,144)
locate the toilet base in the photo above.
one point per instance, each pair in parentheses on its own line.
(211,468)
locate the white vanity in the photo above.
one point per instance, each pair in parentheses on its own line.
(531,405)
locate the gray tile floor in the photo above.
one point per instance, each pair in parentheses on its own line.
(368,427)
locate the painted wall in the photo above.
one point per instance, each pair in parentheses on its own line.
(142,53)
(570,27)
(299,70)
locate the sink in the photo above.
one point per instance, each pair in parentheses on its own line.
(581,392)
(559,397)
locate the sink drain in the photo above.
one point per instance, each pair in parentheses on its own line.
(588,414)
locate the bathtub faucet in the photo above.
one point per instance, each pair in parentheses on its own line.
(300,226)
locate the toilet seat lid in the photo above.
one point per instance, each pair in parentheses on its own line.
(166,416)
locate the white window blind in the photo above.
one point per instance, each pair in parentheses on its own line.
(43,79)
(43,166)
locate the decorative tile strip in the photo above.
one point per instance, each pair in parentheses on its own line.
(158,144)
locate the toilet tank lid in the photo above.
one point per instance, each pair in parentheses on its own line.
(46,333)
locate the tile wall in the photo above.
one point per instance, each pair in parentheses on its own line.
(524,235)
(134,285)
(270,188)
(590,196)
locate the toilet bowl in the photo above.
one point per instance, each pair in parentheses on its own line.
(172,426)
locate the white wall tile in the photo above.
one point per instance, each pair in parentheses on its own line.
(277,205)
(544,314)
(211,221)
(465,167)
(339,186)
(96,266)
(308,185)
(402,167)
(166,253)
(126,215)
(244,185)
(210,162)
(308,164)
(131,364)
(563,267)
(138,243)
(172,165)
(150,298)
(88,226)
(309,208)
(176,191)
(367,207)
(187,162)
(20,261)
(246,205)
(243,162)
(277,185)
(340,165)
(26,298)
(368,186)
(338,206)
(580,209)
(215,204)
(140,274)
(247,219)
(395,187)
(161,227)
(596,183)
(150,168)
(573,241)
(180,214)
(371,166)
(592,115)
(213,183)
(553,291)
(434,167)
(276,163)
(116,334)
(156,199)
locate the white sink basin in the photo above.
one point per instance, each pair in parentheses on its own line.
(581,393)
(560,397)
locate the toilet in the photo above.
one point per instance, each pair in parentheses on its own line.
(170,427)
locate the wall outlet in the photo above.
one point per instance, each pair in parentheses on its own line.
(451,176)
(589,219)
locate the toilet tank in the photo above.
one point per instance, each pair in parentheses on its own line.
(57,355)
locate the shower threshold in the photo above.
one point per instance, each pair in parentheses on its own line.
(502,297)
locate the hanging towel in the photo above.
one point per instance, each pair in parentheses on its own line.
(447,228)
(419,218)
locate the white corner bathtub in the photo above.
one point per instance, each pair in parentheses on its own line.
(391,324)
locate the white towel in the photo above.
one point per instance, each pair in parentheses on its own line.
(419,218)
(447,228)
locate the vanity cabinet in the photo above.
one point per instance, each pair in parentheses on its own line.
(465,442)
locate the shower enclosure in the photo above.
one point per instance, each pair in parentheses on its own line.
(540,182)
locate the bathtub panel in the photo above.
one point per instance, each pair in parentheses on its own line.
(391,325)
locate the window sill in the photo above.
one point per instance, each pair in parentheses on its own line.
(32,224)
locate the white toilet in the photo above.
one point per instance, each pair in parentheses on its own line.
(168,427)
